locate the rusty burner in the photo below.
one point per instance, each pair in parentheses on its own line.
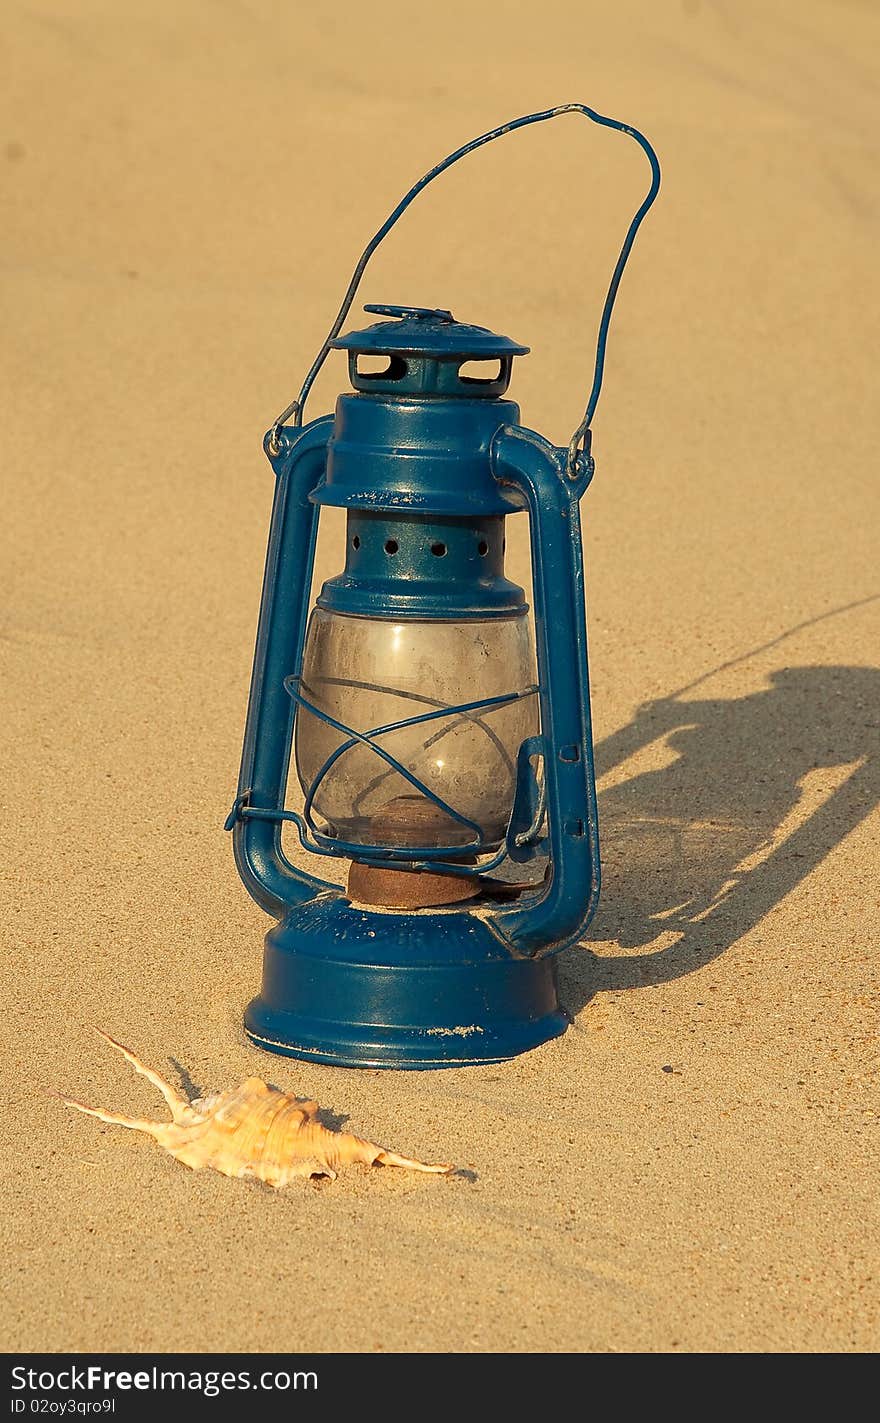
(409,820)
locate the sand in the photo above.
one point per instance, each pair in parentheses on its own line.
(185,189)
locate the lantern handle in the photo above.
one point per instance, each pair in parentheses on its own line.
(577,463)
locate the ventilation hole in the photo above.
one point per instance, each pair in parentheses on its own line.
(480,372)
(391,545)
(575,828)
(570,753)
(482,548)
(356,543)
(438,550)
(379,367)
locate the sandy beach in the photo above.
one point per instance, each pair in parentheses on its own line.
(185,189)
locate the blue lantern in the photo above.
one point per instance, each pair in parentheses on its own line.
(434,738)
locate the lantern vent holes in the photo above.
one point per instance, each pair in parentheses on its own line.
(380,367)
(575,828)
(570,753)
(398,560)
(438,547)
(477,372)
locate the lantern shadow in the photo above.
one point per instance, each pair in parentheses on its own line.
(712,811)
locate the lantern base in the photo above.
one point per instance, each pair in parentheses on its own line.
(430,989)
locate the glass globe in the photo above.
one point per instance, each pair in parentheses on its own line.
(370,672)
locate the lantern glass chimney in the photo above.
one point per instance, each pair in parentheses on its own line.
(369,673)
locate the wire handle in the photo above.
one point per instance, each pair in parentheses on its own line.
(580,438)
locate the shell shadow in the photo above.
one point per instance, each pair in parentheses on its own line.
(190,1089)
(333,1121)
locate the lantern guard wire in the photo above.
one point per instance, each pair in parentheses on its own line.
(578,463)
(319,843)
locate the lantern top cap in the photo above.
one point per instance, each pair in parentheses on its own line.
(426,331)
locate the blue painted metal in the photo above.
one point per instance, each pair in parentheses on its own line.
(429,353)
(423,566)
(368,988)
(400,452)
(438,313)
(418,458)
(267,874)
(420,332)
(525,839)
(345,984)
(557,915)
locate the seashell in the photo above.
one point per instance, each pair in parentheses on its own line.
(253,1130)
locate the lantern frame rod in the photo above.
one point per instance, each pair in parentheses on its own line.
(577,462)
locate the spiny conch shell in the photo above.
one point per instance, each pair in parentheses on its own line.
(252,1130)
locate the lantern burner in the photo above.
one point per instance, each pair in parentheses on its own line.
(387,888)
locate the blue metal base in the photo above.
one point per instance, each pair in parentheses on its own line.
(431,989)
